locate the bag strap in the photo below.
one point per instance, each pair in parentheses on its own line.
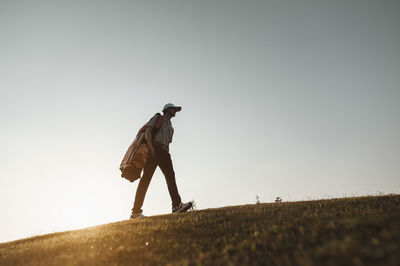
(159,121)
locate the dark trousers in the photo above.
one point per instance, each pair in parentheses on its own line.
(163,160)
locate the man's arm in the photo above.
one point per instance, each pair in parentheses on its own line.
(147,135)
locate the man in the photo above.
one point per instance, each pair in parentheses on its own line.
(158,146)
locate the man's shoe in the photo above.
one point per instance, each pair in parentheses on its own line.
(137,215)
(182,207)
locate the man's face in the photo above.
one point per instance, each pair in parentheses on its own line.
(171,111)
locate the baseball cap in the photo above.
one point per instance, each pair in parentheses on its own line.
(170,105)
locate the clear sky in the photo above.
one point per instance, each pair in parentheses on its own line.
(298,99)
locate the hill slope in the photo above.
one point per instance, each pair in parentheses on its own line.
(350,231)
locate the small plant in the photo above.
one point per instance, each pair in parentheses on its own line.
(194,207)
(278,199)
(257,199)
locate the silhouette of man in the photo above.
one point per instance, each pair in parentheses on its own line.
(158,146)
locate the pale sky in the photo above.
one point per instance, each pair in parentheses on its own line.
(298,99)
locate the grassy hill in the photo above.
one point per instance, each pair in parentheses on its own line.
(348,231)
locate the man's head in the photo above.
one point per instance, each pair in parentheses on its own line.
(170,109)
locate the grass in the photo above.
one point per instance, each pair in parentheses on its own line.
(348,231)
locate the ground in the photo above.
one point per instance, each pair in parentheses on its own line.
(347,231)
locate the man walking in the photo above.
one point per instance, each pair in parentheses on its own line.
(158,146)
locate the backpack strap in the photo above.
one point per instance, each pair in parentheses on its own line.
(159,121)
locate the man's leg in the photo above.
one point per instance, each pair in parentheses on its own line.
(165,163)
(141,190)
